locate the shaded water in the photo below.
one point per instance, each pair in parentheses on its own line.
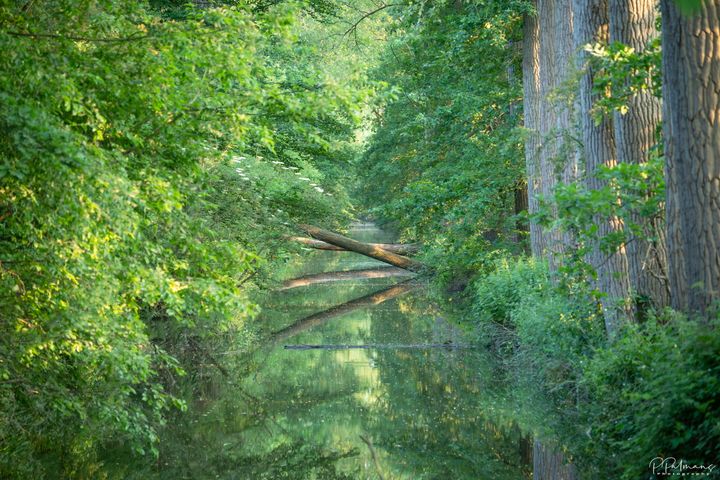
(360,413)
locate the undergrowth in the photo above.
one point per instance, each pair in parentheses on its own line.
(653,392)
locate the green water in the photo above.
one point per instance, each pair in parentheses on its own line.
(356,413)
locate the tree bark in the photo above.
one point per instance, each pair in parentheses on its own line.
(521,207)
(691,92)
(557,51)
(366,249)
(547,66)
(399,248)
(531,115)
(632,22)
(591,26)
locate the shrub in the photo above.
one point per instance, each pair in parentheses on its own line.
(656,392)
(653,392)
(498,295)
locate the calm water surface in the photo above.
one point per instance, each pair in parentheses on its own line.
(373,413)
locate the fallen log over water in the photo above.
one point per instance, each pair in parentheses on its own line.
(319,318)
(326,277)
(366,249)
(399,248)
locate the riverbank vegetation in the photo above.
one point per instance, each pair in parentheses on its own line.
(567,217)
(557,160)
(153,157)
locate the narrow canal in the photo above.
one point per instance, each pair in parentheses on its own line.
(410,406)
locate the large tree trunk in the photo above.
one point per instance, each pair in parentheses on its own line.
(531,115)
(557,51)
(553,160)
(632,22)
(591,26)
(366,249)
(691,90)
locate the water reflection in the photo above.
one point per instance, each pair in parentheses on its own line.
(350,413)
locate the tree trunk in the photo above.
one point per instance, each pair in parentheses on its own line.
(557,162)
(366,249)
(557,51)
(591,26)
(531,115)
(521,206)
(691,91)
(399,248)
(632,22)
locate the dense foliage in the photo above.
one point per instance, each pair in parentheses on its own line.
(653,392)
(445,161)
(156,155)
(149,168)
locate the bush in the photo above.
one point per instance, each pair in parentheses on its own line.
(498,295)
(656,392)
(653,392)
(144,164)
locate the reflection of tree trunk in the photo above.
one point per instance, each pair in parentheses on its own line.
(399,248)
(327,277)
(525,447)
(320,318)
(551,464)
(366,249)
(369,443)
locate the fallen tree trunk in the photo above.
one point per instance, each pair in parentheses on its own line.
(366,249)
(399,248)
(326,277)
(320,318)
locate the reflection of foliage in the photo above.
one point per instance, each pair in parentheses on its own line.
(429,421)
(285,414)
(293,462)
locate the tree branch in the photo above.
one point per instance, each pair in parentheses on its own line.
(353,27)
(78,38)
